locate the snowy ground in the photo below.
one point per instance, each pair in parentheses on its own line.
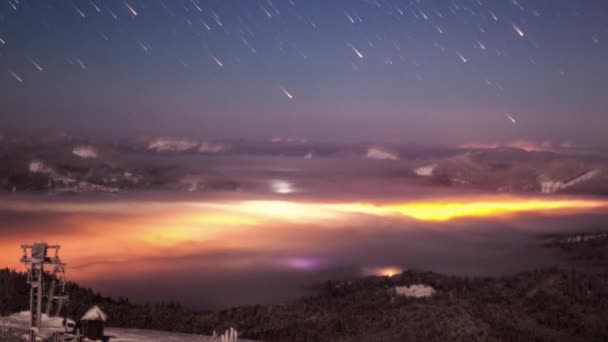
(20,321)
(417,291)
(137,335)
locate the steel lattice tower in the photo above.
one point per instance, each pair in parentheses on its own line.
(35,257)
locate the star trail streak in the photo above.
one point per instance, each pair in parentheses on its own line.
(395,63)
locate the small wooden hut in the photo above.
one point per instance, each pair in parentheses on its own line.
(93,324)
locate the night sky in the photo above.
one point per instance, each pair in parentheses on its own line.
(442,72)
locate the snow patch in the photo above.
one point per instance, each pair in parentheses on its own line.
(416,291)
(94,314)
(85,152)
(171,144)
(140,335)
(425,171)
(584,238)
(377,153)
(38,166)
(48,323)
(210,147)
(290,140)
(55,324)
(549,186)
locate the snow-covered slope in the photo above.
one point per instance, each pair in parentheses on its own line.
(140,335)
(55,324)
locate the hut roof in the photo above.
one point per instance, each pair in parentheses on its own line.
(94,314)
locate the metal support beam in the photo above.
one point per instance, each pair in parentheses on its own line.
(35,257)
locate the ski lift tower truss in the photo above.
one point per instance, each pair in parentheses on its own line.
(36,257)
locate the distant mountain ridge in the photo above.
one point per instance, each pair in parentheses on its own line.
(188,165)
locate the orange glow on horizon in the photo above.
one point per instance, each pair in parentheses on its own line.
(385,271)
(449,210)
(433,210)
(97,237)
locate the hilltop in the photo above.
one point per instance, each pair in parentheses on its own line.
(557,305)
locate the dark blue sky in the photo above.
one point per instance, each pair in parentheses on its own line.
(403,70)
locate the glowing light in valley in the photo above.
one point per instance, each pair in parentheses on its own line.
(518,30)
(384,271)
(303,263)
(287,93)
(281,187)
(390,271)
(510,117)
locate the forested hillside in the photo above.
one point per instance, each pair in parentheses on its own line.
(556,305)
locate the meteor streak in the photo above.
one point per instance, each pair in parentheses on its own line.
(464,60)
(217,61)
(518,30)
(17,77)
(131,9)
(493,16)
(350,18)
(79,61)
(113,14)
(35,64)
(510,117)
(95,6)
(357,52)
(287,93)
(80,12)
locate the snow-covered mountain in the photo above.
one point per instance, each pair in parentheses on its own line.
(190,165)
